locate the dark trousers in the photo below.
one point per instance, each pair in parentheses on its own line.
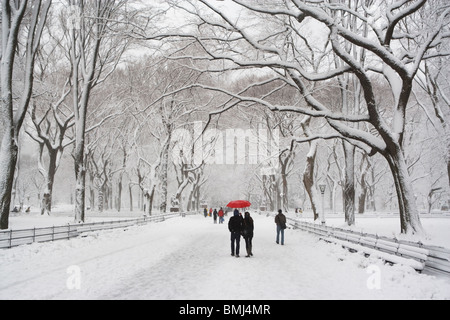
(280,230)
(235,242)
(248,243)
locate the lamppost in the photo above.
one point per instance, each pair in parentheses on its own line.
(323,187)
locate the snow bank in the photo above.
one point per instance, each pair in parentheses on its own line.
(36,220)
(436,227)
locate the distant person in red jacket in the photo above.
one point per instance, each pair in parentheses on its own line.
(221,214)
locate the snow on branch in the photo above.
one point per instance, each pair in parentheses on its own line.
(354,142)
(306,111)
(382,51)
(394,19)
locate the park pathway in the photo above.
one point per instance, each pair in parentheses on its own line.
(189,259)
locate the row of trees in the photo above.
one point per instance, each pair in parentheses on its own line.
(351,46)
(372,183)
(54,54)
(84,92)
(367,73)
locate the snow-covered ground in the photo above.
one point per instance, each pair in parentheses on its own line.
(29,221)
(189,258)
(436,226)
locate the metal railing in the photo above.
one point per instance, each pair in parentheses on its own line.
(14,238)
(421,257)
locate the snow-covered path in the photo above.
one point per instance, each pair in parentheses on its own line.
(189,258)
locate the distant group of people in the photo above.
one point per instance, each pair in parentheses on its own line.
(215,214)
(244,226)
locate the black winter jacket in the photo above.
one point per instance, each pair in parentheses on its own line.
(235,224)
(248,227)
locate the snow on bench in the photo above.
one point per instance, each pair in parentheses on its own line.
(417,265)
(387,249)
(420,257)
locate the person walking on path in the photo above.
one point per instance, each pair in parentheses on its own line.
(221,214)
(235,227)
(215,216)
(248,233)
(205,212)
(280,220)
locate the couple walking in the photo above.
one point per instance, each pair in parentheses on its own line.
(244,226)
(241,226)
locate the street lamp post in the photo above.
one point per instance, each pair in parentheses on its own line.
(322,191)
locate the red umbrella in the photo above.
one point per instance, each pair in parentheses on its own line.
(239,204)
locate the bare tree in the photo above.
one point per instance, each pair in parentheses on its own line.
(25,20)
(94,55)
(433,80)
(53,139)
(309,173)
(51,117)
(375,56)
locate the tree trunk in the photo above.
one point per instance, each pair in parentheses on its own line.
(362,197)
(333,186)
(409,214)
(12,116)
(119,195)
(46,207)
(108,196)
(80,176)
(285,197)
(150,201)
(92,197)
(268,194)
(101,199)
(348,189)
(277,195)
(366,168)
(197,198)
(364,189)
(189,206)
(8,160)
(448,162)
(164,172)
(274,193)
(284,182)
(141,193)
(130,190)
(430,202)
(308,178)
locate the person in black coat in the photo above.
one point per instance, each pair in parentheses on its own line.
(280,221)
(235,226)
(215,216)
(248,233)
